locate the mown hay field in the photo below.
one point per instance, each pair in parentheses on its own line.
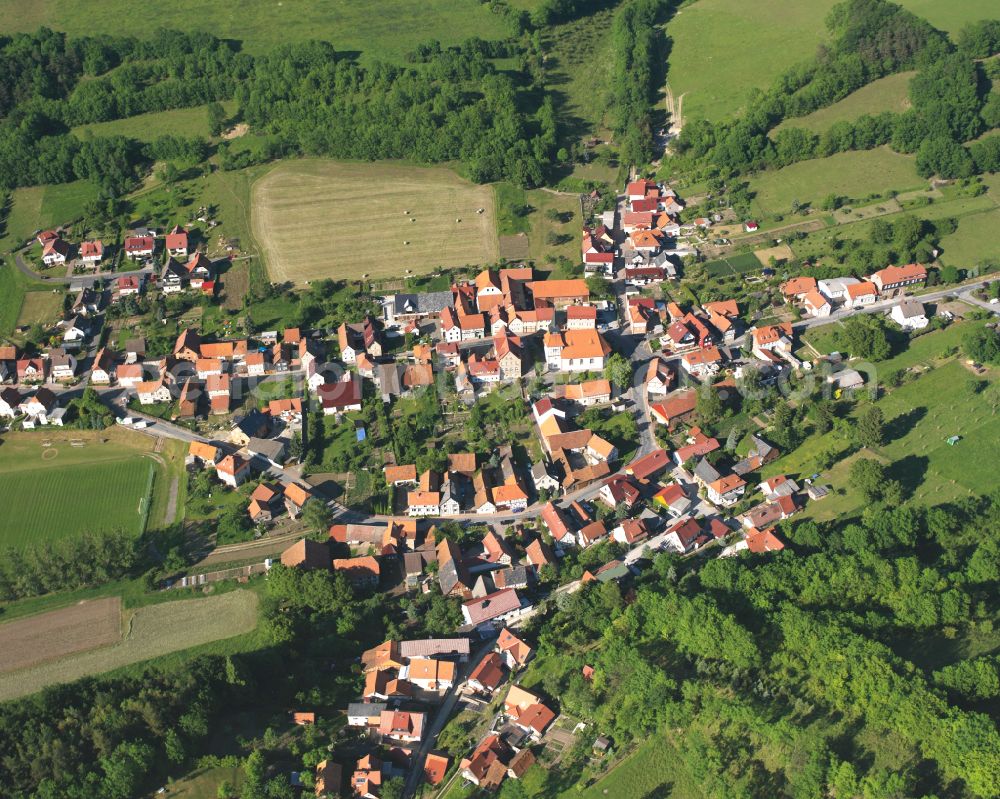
(319,219)
(151,631)
(58,633)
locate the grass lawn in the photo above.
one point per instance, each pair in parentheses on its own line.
(146,127)
(387,31)
(313,219)
(724,48)
(825,338)
(852,174)
(973,242)
(734,265)
(884,94)
(920,416)
(61,490)
(951,16)
(568,205)
(655,769)
(37,207)
(43,307)
(204,783)
(149,632)
(578,68)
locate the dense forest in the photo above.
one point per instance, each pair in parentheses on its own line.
(785,674)
(951,99)
(448,105)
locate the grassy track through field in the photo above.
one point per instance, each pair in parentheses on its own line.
(326,219)
(151,631)
(59,633)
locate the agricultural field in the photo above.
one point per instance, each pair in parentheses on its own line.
(325,219)
(146,127)
(151,631)
(59,633)
(733,265)
(386,31)
(723,48)
(62,490)
(885,94)
(855,175)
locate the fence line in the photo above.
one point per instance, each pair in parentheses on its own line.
(194,580)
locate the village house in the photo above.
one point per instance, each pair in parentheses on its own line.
(815,304)
(39,406)
(361,572)
(401,726)
(490,611)
(585,394)
(559,293)
(726,491)
(673,499)
(128,286)
(677,407)
(576,351)
(341,397)
(429,674)
(55,252)
(177,243)
(296,498)
(139,247)
(681,537)
(703,363)
(581,317)
(152,392)
(264,504)
(909,315)
(659,377)
(893,280)
(91,252)
(233,470)
(861,294)
(797,288)
(835,288)
(361,337)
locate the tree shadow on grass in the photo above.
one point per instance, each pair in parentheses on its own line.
(910,471)
(901,425)
(661,791)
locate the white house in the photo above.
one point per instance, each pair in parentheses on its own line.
(152,391)
(10,399)
(815,304)
(859,294)
(909,315)
(576,351)
(726,490)
(702,363)
(55,252)
(835,288)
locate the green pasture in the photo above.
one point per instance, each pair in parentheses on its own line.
(146,127)
(885,94)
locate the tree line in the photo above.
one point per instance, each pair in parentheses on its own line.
(452,104)
(734,656)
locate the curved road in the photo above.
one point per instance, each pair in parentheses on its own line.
(20,263)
